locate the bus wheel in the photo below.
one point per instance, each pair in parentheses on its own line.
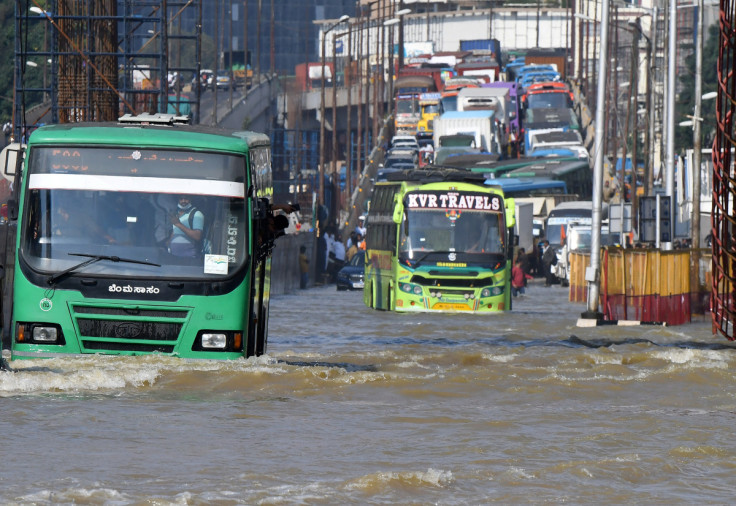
(262,339)
(250,340)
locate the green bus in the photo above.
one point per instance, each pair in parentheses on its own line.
(438,240)
(575,173)
(103,263)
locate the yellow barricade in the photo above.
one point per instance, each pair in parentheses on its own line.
(647,284)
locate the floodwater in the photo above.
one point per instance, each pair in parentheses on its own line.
(355,406)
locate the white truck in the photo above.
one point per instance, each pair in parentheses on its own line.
(482,125)
(497,100)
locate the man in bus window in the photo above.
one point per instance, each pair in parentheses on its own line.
(187,229)
(77,225)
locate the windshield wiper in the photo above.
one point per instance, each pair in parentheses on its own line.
(93,259)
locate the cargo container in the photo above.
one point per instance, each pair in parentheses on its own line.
(482,125)
(483,47)
(551,56)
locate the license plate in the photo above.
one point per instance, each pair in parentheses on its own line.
(446,306)
(358,284)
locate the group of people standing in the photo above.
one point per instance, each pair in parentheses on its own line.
(337,253)
(535,263)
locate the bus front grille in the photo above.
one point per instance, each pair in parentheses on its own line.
(123,329)
(129,328)
(147,348)
(451,282)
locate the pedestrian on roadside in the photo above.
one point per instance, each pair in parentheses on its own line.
(518,279)
(549,258)
(360,227)
(337,257)
(354,247)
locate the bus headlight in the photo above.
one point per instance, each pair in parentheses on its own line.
(491,292)
(214,341)
(410,288)
(44,334)
(39,333)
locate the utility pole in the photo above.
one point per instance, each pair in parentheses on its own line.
(245,44)
(697,150)
(230,51)
(592,274)
(650,105)
(697,125)
(670,121)
(273,41)
(216,65)
(258,37)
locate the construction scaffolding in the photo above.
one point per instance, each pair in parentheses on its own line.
(104,58)
(724,180)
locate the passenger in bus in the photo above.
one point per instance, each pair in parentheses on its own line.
(187,229)
(128,218)
(79,225)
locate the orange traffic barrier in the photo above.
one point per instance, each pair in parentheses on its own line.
(647,285)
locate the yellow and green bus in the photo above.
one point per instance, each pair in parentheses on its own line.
(103,263)
(438,240)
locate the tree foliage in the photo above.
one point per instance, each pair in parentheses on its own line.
(686,99)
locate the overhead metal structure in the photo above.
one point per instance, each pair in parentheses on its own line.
(103,58)
(723,307)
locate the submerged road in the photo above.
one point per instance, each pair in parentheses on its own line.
(355,406)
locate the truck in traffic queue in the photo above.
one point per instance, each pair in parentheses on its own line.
(509,89)
(555,57)
(407,90)
(487,48)
(482,125)
(429,104)
(309,75)
(488,71)
(488,99)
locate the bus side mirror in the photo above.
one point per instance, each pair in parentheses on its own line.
(398,214)
(10,159)
(510,206)
(398,210)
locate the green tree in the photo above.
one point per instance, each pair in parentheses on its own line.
(686,100)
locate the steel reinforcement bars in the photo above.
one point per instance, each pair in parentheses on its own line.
(724,182)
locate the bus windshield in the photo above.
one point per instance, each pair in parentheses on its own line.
(151,206)
(473,233)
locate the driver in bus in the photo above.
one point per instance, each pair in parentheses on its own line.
(187,229)
(78,225)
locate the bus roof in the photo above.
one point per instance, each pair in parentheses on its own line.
(436,174)
(526,184)
(174,137)
(549,166)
